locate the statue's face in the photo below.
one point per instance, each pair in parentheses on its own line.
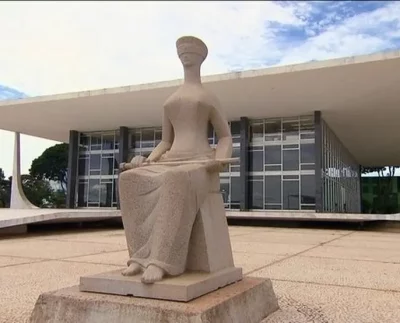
(190,59)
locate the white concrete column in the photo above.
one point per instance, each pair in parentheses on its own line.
(18,198)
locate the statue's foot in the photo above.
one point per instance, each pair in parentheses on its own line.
(132,270)
(152,274)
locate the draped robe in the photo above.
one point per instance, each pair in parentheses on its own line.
(159,204)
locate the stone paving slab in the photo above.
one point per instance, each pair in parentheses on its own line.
(337,276)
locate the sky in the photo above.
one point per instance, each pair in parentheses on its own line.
(58,47)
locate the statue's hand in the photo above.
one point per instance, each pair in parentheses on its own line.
(214,166)
(138,161)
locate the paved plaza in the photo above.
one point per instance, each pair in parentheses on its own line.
(319,275)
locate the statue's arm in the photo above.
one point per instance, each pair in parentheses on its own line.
(166,140)
(223,132)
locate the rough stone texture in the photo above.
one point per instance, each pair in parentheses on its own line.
(184,288)
(172,209)
(250,300)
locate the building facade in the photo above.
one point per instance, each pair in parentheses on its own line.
(286,164)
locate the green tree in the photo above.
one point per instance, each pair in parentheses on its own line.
(37,191)
(385,202)
(5,190)
(52,165)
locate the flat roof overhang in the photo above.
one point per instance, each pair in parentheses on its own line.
(359,97)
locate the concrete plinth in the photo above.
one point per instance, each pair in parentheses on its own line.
(183,288)
(250,300)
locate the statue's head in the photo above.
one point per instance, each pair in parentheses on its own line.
(191,50)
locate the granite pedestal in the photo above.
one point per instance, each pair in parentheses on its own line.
(183,288)
(248,301)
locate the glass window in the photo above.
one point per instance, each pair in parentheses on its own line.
(256,160)
(108,142)
(82,194)
(291,195)
(147,138)
(235,128)
(290,160)
(308,189)
(115,190)
(106,194)
(273,130)
(225,190)
(158,137)
(136,139)
(95,142)
(256,192)
(290,130)
(95,161)
(107,165)
(116,161)
(307,152)
(235,191)
(83,166)
(273,154)
(256,132)
(94,190)
(273,189)
(83,142)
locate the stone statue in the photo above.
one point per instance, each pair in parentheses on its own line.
(161,196)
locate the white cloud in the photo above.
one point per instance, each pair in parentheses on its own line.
(55,47)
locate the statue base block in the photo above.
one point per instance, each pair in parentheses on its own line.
(182,288)
(251,300)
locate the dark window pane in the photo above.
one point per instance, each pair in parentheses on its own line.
(225,192)
(256,161)
(308,167)
(273,168)
(290,130)
(273,206)
(256,191)
(147,138)
(256,132)
(116,161)
(235,190)
(273,189)
(95,142)
(235,168)
(294,146)
(290,160)
(82,195)
(108,142)
(307,152)
(291,177)
(106,195)
(308,207)
(136,137)
(235,128)
(94,187)
(307,123)
(236,153)
(95,161)
(158,137)
(107,166)
(308,189)
(116,141)
(83,142)
(273,127)
(291,195)
(273,154)
(83,166)
(115,191)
